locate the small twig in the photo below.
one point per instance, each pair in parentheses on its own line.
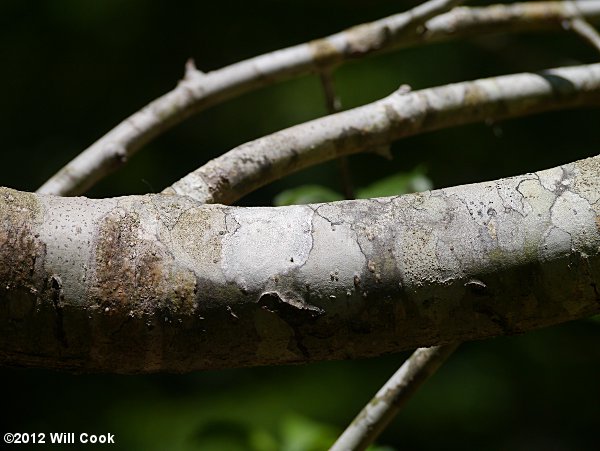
(384,406)
(425,11)
(581,27)
(199,91)
(333,105)
(346,177)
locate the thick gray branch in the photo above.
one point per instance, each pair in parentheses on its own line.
(199,91)
(164,283)
(254,164)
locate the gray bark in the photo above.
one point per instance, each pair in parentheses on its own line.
(162,282)
(257,163)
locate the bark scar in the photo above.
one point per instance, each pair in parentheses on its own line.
(288,308)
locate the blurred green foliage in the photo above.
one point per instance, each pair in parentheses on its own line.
(306,194)
(72,70)
(393,185)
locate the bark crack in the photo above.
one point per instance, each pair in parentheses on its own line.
(57,296)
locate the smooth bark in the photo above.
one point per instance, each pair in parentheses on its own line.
(161,282)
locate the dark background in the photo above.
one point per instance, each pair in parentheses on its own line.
(71,70)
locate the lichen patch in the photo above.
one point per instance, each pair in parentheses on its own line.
(136,274)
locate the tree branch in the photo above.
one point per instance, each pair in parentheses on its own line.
(149,283)
(585,31)
(361,432)
(254,164)
(334,105)
(199,91)
(424,362)
(388,401)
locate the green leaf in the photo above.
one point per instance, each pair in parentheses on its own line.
(400,183)
(302,434)
(263,440)
(306,194)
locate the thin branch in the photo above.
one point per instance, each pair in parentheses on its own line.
(585,31)
(384,406)
(346,177)
(254,164)
(199,91)
(334,105)
(426,10)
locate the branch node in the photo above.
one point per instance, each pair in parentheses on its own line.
(384,151)
(191,71)
(403,89)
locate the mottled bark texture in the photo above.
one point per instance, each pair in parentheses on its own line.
(159,282)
